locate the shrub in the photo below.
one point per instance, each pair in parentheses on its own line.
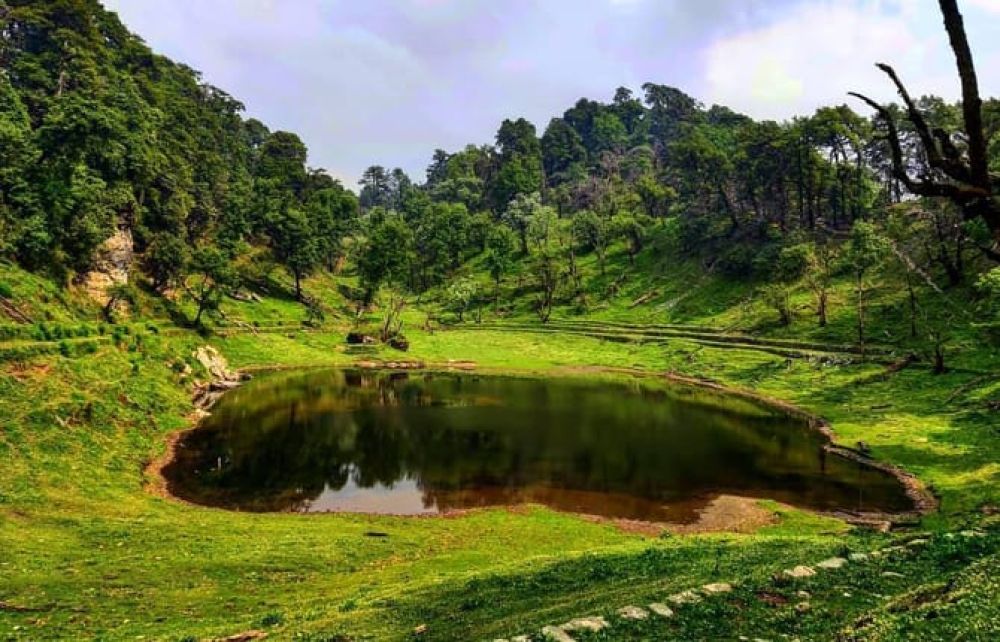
(793,262)
(272,619)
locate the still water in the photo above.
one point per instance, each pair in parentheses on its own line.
(430,443)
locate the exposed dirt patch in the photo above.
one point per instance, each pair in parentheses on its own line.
(24,372)
(156,483)
(728,514)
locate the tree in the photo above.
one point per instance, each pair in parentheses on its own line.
(294,244)
(385,256)
(442,238)
(501,245)
(520,162)
(165,260)
(545,269)
(562,149)
(211,273)
(282,158)
(633,228)
(460,294)
(593,232)
(864,252)
(819,274)
(333,216)
(519,214)
(946,169)
(776,296)
(376,187)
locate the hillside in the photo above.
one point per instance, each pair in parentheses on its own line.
(654,244)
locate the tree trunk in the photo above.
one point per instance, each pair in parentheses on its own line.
(861,312)
(821,308)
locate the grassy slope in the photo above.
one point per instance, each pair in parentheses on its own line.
(97,557)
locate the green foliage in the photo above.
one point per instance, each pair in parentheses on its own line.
(385,256)
(211,274)
(461,293)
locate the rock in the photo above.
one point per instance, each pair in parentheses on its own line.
(972,534)
(246,636)
(110,265)
(803,607)
(633,613)
(918,542)
(892,574)
(661,609)
(215,364)
(360,339)
(557,634)
(593,624)
(399,342)
(716,588)
(521,638)
(803,595)
(832,564)
(420,629)
(685,597)
(858,557)
(800,572)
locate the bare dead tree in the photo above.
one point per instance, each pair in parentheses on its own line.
(961,176)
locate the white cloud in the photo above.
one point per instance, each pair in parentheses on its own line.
(991,6)
(812,57)
(817,52)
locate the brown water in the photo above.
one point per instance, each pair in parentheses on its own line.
(411,444)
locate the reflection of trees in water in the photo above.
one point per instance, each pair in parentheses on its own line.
(284,442)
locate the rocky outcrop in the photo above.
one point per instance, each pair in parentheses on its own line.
(110,266)
(222,378)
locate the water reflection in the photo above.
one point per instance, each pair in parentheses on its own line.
(428,443)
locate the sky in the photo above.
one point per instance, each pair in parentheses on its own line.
(387,82)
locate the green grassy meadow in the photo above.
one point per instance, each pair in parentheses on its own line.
(87,552)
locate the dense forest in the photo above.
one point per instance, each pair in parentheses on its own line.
(101,135)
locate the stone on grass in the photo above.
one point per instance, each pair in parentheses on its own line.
(633,613)
(717,587)
(892,574)
(804,595)
(586,624)
(661,609)
(685,597)
(972,534)
(832,564)
(800,572)
(556,634)
(803,607)
(521,638)
(918,542)
(858,557)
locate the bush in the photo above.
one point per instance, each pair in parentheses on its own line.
(737,262)
(793,262)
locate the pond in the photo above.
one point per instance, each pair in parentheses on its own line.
(430,443)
